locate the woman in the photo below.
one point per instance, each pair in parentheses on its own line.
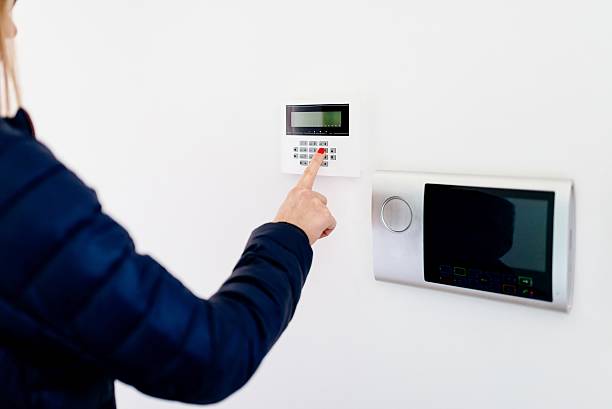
(80,308)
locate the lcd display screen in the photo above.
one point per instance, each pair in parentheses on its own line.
(316,119)
(496,240)
(323,119)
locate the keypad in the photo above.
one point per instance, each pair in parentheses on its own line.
(305,151)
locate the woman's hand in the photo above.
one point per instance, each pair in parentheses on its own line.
(307,209)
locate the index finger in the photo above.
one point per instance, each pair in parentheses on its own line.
(310,174)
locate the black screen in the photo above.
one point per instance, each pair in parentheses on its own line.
(496,240)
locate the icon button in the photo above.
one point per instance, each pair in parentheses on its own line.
(509,289)
(460,271)
(446,270)
(525,281)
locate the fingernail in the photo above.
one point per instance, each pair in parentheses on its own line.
(321,151)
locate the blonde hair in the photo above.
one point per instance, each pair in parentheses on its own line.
(10,92)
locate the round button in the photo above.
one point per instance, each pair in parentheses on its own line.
(396,214)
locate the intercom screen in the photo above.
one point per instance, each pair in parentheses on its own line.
(495,240)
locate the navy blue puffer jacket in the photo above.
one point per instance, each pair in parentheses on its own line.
(79,308)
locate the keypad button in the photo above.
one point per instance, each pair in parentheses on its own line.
(326,157)
(312,143)
(332,150)
(332,157)
(304,162)
(303,143)
(312,150)
(525,281)
(303,149)
(295,149)
(310,155)
(303,156)
(325,164)
(323,143)
(295,156)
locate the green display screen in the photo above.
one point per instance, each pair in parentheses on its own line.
(330,119)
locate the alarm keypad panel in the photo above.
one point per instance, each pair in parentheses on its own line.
(332,127)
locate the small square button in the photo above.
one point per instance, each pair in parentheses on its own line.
(304,162)
(332,157)
(310,155)
(312,143)
(323,143)
(446,270)
(326,157)
(303,149)
(295,149)
(509,289)
(460,271)
(295,156)
(332,150)
(303,156)
(303,143)
(312,150)
(325,164)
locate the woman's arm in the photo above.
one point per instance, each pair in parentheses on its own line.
(75,272)
(153,333)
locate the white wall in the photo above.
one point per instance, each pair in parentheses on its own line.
(170,109)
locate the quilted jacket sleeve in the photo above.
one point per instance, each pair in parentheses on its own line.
(75,271)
